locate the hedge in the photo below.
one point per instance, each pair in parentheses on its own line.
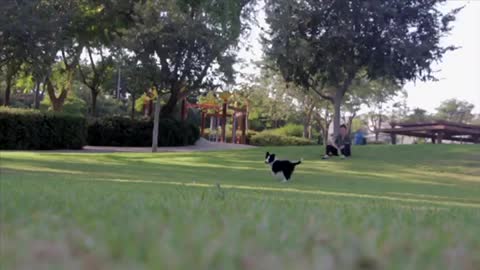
(269,139)
(22,129)
(287,130)
(120,131)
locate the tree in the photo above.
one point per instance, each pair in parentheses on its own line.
(323,117)
(419,115)
(324,45)
(379,94)
(135,81)
(94,73)
(186,44)
(11,71)
(455,110)
(39,34)
(398,113)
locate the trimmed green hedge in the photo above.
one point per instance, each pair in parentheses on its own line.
(287,130)
(22,129)
(269,139)
(120,131)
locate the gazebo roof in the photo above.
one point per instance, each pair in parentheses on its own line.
(437,129)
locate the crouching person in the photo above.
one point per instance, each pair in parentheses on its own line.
(340,146)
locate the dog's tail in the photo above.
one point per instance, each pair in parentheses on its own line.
(298,162)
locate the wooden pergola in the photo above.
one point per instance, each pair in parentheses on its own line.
(437,131)
(240,117)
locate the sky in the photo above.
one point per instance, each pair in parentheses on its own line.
(458,73)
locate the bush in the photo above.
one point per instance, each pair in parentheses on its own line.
(288,130)
(120,131)
(22,129)
(269,139)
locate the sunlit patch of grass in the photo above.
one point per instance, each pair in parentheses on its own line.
(403,207)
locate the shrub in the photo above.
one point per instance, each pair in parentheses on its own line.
(269,139)
(288,130)
(22,129)
(120,131)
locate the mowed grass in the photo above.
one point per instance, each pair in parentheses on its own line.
(389,207)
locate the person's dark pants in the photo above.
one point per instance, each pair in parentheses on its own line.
(332,151)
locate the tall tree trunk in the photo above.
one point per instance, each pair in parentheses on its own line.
(42,95)
(325,134)
(393,137)
(247,114)
(8,90)
(305,129)
(57,102)
(169,108)
(36,98)
(350,121)
(307,122)
(132,112)
(337,101)
(378,127)
(337,105)
(94,94)
(156,120)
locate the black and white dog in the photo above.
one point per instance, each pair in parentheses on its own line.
(281,168)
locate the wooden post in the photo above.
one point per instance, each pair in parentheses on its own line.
(202,129)
(244,125)
(224,121)
(234,128)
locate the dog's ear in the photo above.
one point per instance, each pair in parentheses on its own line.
(267,154)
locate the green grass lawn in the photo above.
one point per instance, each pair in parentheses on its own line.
(389,207)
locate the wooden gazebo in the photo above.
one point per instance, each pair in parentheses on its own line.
(437,131)
(219,111)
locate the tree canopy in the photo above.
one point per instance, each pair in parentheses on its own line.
(455,110)
(324,45)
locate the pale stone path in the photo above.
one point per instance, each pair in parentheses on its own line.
(200,145)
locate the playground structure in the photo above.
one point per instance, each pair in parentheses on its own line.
(218,114)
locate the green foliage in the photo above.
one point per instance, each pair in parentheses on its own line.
(120,131)
(25,83)
(357,124)
(189,43)
(323,46)
(32,130)
(266,138)
(455,110)
(73,105)
(291,130)
(419,115)
(108,106)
